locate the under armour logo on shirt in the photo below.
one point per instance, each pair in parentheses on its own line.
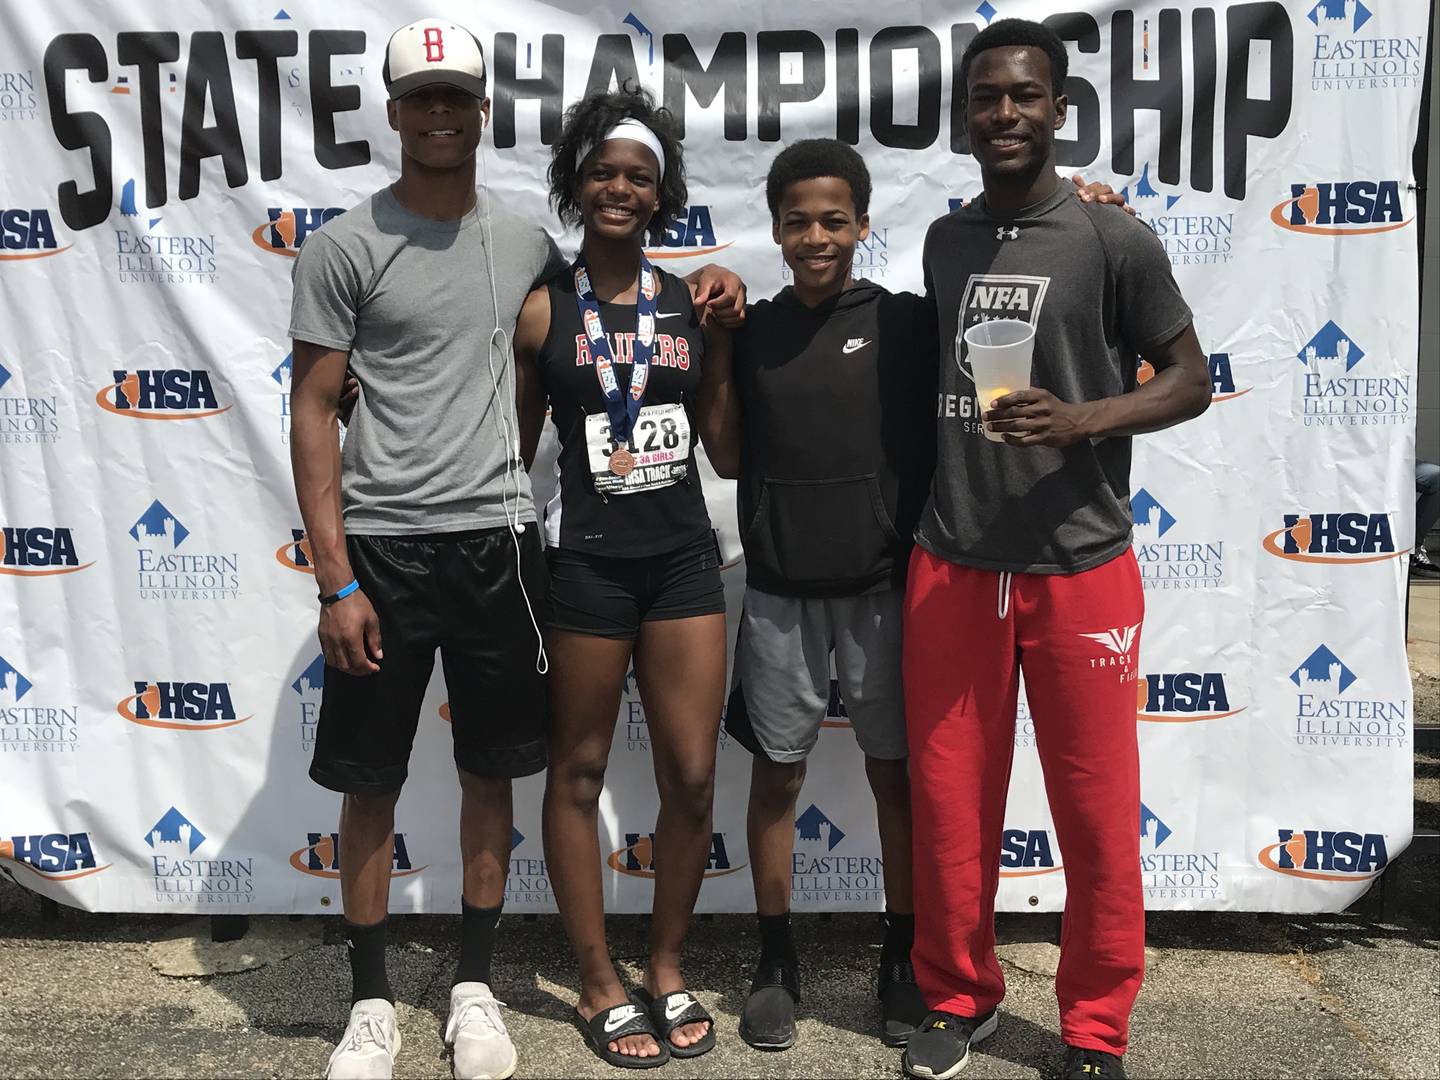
(1012,233)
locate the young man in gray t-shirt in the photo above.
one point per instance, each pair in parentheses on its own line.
(1024,562)
(422,531)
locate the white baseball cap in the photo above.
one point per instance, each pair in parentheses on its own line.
(432,51)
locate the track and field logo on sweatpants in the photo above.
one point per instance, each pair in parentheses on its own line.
(825,870)
(1116,650)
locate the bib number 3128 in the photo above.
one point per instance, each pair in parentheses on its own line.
(661,446)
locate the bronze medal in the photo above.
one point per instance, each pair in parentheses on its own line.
(622,462)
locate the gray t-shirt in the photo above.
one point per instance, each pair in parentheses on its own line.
(410,298)
(1096,285)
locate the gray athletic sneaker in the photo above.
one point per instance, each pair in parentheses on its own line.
(482,1046)
(367,1049)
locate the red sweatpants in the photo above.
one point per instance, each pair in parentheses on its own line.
(968,633)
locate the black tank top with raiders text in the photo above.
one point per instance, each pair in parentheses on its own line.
(577,517)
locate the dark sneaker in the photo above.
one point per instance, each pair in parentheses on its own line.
(941,1046)
(1422,566)
(768,1019)
(1081,1064)
(902,1008)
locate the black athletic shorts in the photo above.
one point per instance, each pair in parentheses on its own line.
(610,596)
(458,592)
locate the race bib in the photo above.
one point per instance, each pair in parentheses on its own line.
(661,451)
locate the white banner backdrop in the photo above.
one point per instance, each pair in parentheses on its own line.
(159,671)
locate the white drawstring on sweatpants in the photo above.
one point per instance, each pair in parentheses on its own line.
(1002,600)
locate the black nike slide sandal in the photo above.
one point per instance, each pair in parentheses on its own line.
(613,1024)
(675,1010)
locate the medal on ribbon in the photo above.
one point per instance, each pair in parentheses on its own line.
(622,409)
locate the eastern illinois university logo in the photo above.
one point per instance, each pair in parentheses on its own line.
(1332,713)
(182,876)
(166,572)
(1338,389)
(829,867)
(30,721)
(1171,557)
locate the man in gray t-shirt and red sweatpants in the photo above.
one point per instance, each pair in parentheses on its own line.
(1024,561)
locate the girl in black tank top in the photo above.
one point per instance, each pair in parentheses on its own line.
(634,571)
(665,518)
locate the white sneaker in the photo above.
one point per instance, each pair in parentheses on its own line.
(367,1049)
(483,1050)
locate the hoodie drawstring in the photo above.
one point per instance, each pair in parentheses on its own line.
(1002,600)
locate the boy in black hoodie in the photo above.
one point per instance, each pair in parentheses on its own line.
(829,428)
(835,380)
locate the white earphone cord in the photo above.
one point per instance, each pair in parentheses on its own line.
(512,442)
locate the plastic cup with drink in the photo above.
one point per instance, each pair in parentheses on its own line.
(998,352)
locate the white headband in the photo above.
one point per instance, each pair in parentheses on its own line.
(634,130)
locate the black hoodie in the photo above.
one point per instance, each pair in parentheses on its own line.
(839,432)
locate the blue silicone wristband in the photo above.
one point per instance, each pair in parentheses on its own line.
(335,598)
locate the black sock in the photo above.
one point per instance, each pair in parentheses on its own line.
(366,947)
(775,940)
(477,941)
(899,935)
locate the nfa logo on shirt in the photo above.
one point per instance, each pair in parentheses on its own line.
(53,856)
(1027,853)
(25,418)
(166,573)
(180,706)
(1168,560)
(986,297)
(39,551)
(1342,208)
(1327,716)
(691,233)
(1222,377)
(1326,855)
(1345,59)
(1189,238)
(1334,538)
(161,394)
(1173,873)
(27,724)
(182,879)
(27,234)
(528,883)
(320,857)
(1332,395)
(821,874)
(285,230)
(637,857)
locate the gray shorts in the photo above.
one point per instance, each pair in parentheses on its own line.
(781,686)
